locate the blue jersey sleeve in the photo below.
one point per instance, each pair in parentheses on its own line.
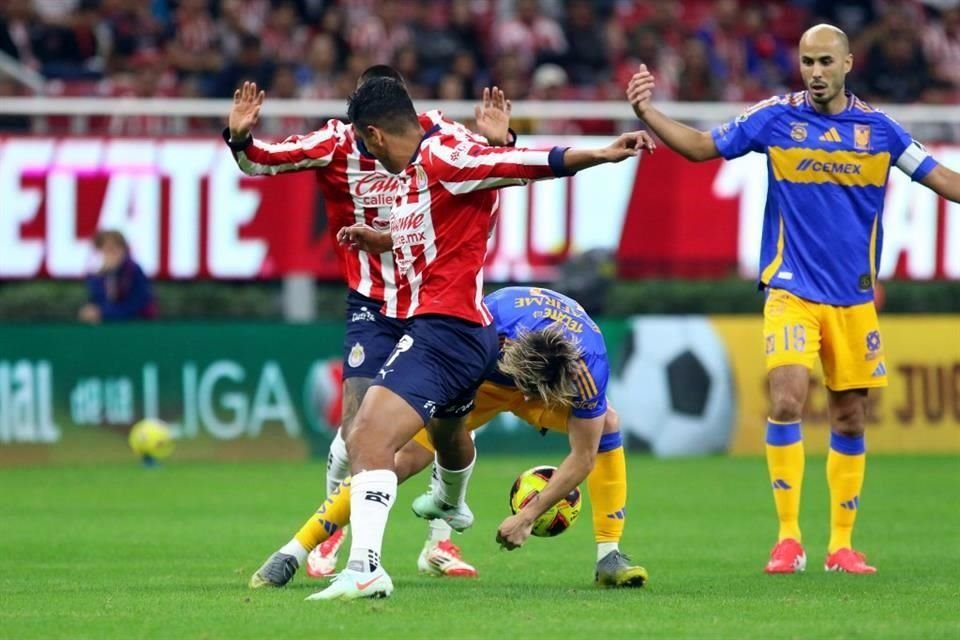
(747,132)
(591,381)
(909,155)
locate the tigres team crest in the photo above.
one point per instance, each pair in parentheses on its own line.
(357,355)
(861,137)
(799,132)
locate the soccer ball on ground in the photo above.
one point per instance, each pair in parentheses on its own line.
(151,440)
(557,518)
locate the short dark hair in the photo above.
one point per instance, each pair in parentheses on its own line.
(384,103)
(380,71)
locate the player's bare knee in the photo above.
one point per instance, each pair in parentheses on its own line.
(611,421)
(786,407)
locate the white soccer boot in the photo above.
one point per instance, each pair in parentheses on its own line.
(351,585)
(459,517)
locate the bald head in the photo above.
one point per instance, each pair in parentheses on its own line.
(825,36)
(825,61)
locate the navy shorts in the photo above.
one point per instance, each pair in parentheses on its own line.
(370,338)
(439,363)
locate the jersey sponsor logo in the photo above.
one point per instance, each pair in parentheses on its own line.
(376,189)
(809,164)
(798,132)
(407,230)
(585,404)
(861,137)
(817,166)
(364,315)
(785,275)
(357,356)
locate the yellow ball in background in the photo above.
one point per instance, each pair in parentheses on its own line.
(151,439)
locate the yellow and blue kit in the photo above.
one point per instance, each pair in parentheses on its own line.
(822,228)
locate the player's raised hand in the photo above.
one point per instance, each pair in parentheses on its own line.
(247,101)
(514,531)
(640,90)
(493,116)
(363,237)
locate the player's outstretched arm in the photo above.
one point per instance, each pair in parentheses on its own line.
(464,166)
(945,182)
(689,142)
(628,145)
(296,153)
(584,436)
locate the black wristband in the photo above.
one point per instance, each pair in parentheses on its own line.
(511,141)
(236,145)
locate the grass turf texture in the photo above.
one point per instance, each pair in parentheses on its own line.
(125,552)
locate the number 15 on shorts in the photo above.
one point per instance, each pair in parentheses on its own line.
(792,338)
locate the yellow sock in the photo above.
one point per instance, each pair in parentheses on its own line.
(332,514)
(846,464)
(785,461)
(607,484)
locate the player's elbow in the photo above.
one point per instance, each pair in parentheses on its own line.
(702,149)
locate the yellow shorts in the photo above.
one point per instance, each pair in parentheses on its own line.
(493,399)
(847,340)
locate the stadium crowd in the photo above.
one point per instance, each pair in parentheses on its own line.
(699,50)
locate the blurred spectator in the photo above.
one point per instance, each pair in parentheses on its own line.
(896,69)
(586,57)
(724,47)
(194,47)
(769,63)
(435,43)
(533,37)
(250,64)
(941,45)
(853,16)
(696,81)
(318,76)
(75,45)
(119,290)
(11,122)
(18,23)
(380,35)
(283,37)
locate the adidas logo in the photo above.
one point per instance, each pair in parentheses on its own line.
(879,371)
(851,505)
(831,135)
(780,483)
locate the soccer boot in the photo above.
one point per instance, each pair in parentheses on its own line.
(848,561)
(615,570)
(460,518)
(443,559)
(277,571)
(322,561)
(787,556)
(350,585)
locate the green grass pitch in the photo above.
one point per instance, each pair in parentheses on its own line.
(124,552)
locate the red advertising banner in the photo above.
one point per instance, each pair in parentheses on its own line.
(189,213)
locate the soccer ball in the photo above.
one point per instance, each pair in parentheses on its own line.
(151,440)
(557,518)
(674,389)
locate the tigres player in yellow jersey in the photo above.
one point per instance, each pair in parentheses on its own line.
(828,158)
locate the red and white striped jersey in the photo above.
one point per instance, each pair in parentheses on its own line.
(443,217)
(355,186)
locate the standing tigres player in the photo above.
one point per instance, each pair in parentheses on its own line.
(828,157)
(356,189)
